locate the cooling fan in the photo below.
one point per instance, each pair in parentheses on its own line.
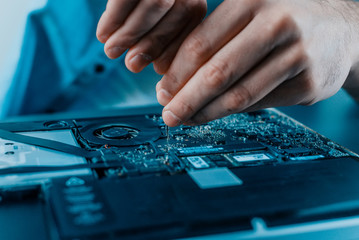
(116,132)
(119,132)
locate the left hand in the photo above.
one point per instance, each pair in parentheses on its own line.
(151,30)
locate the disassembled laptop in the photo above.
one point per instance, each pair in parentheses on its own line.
(130,177)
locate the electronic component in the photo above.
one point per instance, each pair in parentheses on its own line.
(252,157)
(118,132)
(198,162)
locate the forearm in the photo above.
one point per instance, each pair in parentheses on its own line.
(249,55)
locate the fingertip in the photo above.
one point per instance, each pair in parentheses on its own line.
(138,62)
(171,119)
(102,38)
(163,97)
(101,33)
(114,52)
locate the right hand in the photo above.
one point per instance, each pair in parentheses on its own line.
(253,54)
(152,30)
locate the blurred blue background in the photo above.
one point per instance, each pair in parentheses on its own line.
(13,16)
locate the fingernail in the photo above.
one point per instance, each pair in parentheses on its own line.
(140,61)
(171,119)
(164,97)
(103,38)
(115,52)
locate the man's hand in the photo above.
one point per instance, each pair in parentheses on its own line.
(152,30)
(253,54)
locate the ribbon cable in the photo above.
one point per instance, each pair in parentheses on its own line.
(49,144)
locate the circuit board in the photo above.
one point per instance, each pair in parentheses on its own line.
(143,145)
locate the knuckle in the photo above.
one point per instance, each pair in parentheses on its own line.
(275,27)
(309,86)
(215,75)
(196,48)
(238,99)
(282,27)
(301,55)
(285,18)
(298,58)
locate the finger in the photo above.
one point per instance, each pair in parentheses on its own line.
(114,16)
(142,19)
(288,93)
(201,44)
(155,42)
(285,63)
(234,60)
(163,62)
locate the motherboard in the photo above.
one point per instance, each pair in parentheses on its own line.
(144,145)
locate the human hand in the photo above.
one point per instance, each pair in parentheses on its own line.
(152,30)
(249,55)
